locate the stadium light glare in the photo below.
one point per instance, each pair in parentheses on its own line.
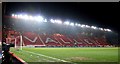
(67,22)
(58,21)
(31,18)
(72,24)
(45,20)
(79,24)
(40,18)
(105,29)
(52,21)
(13,15)
(87,26)
(82,25)
(36,19)
(16,16)
(109,30)
(26,17)
(20,16)
(101,29)
(76,24)
(93,27)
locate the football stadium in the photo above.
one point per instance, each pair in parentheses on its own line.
(38,39)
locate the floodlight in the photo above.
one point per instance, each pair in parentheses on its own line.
(79,24)
(76,24)
(93,27)
(36,19)
(109,30)
(52,21)
(16,15)
(20,16)
(31,18)
(45,20)
(13,15)
(72,24)
(101,29)
(58,21)
(26,17)
(67,22)
(82,25)
(40,18)
(105,29)
(87,26)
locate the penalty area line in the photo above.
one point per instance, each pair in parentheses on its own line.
(49,57)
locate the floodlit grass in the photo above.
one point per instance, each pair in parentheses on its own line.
(68,54)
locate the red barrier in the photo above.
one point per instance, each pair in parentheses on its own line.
(19,59)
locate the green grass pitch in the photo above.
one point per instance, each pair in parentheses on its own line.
(72,55)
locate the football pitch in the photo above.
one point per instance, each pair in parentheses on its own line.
(68,55)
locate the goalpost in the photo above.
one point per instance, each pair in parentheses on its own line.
(17,41)
(21,42)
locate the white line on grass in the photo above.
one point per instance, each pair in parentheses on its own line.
(48,60)
(49,57)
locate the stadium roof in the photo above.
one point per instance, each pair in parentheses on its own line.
(97,14)
(42,19)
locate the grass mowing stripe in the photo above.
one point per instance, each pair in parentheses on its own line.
(69,54)
(50,57)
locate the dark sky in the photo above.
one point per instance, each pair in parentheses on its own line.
(104,15)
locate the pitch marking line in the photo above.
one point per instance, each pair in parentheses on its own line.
(49,57)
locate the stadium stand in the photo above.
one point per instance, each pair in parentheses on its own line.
(54,35)
(34,39)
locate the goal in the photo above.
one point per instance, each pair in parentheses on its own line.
(17,41)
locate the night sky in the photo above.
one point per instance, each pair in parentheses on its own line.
(103,15)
